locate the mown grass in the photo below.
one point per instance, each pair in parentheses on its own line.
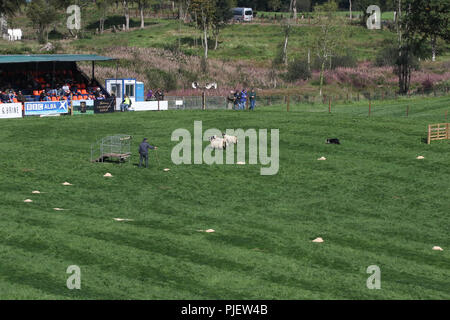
(372,202)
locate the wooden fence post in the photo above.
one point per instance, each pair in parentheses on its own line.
(329,105)
(429,134)
(288,102)
(203,101)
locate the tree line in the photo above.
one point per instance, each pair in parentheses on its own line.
(417,23)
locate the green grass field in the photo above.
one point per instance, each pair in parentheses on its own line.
(372,202)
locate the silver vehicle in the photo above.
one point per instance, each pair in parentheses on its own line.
(242,14)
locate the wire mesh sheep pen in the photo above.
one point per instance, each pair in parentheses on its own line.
(110,147)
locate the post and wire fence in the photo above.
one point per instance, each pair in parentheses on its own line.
(356,103)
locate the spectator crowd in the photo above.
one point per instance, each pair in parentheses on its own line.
(59,85)
(239,99)
(158,95)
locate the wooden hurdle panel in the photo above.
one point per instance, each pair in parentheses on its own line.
(438,131)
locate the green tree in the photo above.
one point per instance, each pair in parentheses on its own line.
(8,8)
(350,9)
(221,17)
(103,8)
(293,8)
(126,13)
(361,5)
(328,40)
(183,9)
(429,19)
(142,4)
(286,25)
(415,24)
(42,14)
(203,13)
(274,5)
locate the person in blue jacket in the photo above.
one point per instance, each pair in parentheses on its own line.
(243,99)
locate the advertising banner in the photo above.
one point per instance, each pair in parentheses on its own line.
(45,108)
(83,107)
(103,106)
(10,110)
(149,105)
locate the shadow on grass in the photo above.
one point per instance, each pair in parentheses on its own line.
(113,21)
(55,35)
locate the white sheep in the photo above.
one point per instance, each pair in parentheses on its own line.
(217,143)
(14,34)
(229,139)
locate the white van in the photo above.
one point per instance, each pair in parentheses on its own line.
(242,14)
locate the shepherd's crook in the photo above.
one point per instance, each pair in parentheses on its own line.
(157,158)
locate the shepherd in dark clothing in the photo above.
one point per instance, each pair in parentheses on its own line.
(143,152)
(237,98)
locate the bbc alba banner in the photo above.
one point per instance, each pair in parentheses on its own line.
(45,108)
(10,110)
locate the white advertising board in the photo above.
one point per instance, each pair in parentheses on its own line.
(149,105)
(10,110)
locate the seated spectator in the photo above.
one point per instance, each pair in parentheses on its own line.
(52,92)
(21,97)
(4,97)
(97,93)
(59,91)
(42,95)
(66,89)
(11,95)
(126,103)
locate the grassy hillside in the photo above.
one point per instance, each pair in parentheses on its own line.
(371,201)
(167,52)
(254,42)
